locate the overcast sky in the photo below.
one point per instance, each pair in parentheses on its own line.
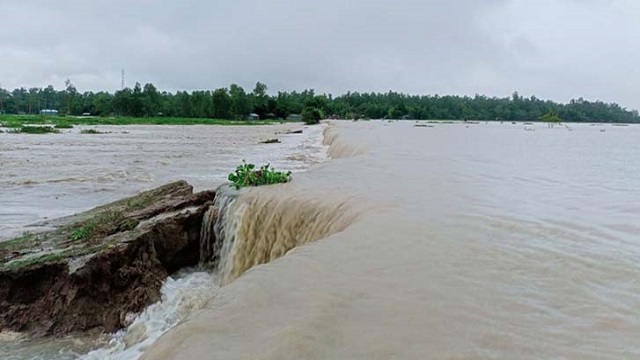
(557,49)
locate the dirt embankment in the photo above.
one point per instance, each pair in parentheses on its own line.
(97,267)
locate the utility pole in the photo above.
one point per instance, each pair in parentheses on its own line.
(1,98)
(122,81)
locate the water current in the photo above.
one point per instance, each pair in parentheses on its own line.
(47,176)
(459,241)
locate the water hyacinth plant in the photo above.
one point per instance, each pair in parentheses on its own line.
(247,175)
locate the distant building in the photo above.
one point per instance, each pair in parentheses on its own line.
(48,112)
(294,117)
(253,116)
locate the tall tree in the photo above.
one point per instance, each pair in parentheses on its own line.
(260,100)
(70,96)
(239,102)
(150,100)
(221,104)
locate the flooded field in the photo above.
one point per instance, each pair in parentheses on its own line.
(54,175)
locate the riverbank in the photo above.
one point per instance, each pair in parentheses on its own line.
(96,269)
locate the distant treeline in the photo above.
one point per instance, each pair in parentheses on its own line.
(235,103)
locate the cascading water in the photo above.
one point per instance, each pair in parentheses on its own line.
(218,232)
(191,289)
(263,224)
(181,295)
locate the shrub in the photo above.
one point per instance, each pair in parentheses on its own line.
(35,130)
(311,115)
(246,175)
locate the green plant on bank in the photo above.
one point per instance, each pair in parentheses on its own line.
(79,233)
(21,241)
(53,257)
(104,224)
(247,175)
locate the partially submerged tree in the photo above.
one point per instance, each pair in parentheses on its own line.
(551,118)
(311,115)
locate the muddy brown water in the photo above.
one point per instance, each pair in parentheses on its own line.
(460,241)
(49,176)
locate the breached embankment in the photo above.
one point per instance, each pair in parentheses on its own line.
(77,281)
(475,245)
(263,224)
(96,268)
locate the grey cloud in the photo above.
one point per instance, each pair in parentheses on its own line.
(553,49)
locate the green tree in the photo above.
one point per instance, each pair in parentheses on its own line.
(71,98)
(239,102)
(221,104)
(311,115)
(150,100)
(260,100)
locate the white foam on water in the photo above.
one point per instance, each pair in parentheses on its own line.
(181,295)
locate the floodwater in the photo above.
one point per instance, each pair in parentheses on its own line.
(457,241)
(49,176)
(469,241)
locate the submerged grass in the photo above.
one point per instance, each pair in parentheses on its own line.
(92,131)
(26,129)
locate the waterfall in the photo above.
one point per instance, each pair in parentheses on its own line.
(207,238)
(241,230)
(214,225)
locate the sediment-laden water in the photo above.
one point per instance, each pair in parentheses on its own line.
(462,241)
(49,176)
(46,176)
(456,241)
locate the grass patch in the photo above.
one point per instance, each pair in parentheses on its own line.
(138,203)
(46,258)
(25,240)
(63,125)
(11,124)
(104,224)
(52,257)
(246,175)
